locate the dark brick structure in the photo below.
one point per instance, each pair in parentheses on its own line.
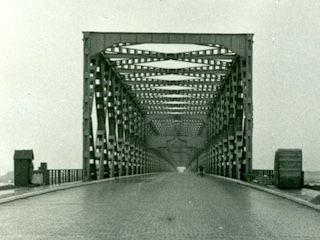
(23,167)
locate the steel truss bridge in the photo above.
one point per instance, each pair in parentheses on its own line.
(156,101)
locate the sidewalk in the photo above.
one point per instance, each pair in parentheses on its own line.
(26,192)
(307,197)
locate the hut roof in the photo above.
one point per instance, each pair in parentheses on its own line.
(23,154)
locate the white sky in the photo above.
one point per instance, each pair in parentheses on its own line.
(41,69)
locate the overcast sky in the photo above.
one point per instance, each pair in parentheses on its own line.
(41,69)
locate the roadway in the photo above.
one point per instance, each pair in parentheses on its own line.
(159,206)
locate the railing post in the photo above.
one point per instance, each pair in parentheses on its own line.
(68,175)
(59,176)
(50,177)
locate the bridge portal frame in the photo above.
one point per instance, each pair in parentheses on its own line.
(121,127)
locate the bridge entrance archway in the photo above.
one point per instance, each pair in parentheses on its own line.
(158,101)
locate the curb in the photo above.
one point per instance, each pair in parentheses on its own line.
(63,187)
(280,194)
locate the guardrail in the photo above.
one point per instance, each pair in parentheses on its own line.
(262,172)
(263,177)
(57,176)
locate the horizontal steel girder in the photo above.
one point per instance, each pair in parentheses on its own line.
(187,83)
(164,105)
(171,71)
(150,98)
(99,41)
(157,91)
(156,111)
(162,56)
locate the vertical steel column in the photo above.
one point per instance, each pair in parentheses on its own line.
(248,106)
(151,162)
(209,141)
(93,77)
(136,140)
(117,109)
(120,126)
(101,115)
(213,170)
(87,108)
(222,133)
(131,130)
(142,155)
(140,129)
(238,126)
(147,162)
(108,104)
(230,124)
(106,73)
(231,129)
(212,123)
(112,125)
(126,131)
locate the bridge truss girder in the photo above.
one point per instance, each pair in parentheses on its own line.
(229,150)
(123,101)
(119,146)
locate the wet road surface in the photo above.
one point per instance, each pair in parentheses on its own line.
(159,206)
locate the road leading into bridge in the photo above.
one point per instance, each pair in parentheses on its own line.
(159,206)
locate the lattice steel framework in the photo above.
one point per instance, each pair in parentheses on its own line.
(129,77)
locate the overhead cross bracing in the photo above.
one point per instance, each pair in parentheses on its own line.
(187,95)
(159,70)
(154,71)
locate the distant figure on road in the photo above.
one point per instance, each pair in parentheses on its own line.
(201,168)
